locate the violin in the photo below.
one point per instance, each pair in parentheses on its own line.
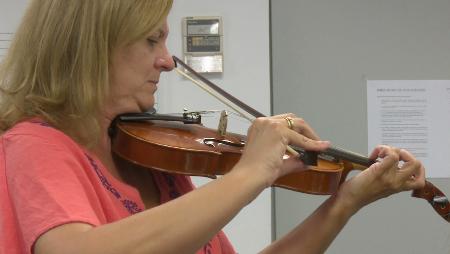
(183,145)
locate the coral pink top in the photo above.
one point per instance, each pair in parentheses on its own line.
(47,180)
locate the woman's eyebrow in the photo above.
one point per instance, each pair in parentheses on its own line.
(161,33)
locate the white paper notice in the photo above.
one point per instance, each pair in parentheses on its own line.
(11,11)
(414,115)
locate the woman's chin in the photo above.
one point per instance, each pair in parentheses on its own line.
(147,107)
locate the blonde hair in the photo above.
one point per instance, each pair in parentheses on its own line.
(57,67)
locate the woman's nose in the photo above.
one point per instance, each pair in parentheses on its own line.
(165,62)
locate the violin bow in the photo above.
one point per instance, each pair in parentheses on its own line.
(249,113)
(435,197)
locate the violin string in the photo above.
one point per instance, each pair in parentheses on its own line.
(216,112)
(237,117)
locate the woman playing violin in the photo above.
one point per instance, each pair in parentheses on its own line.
(72,68)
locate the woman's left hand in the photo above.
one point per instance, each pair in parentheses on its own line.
(396,171)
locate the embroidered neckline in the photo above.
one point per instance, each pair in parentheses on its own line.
(130,205)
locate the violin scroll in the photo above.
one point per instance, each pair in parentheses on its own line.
(436,198)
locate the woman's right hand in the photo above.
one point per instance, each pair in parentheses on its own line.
(267,142)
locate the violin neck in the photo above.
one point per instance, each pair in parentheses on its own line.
(335,154)
(341,154)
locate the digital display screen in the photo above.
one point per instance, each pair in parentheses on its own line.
(203,27)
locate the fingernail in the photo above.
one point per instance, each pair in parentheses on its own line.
(326,142)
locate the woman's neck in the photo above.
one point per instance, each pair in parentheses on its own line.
(103,148)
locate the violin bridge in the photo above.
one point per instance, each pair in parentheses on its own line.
(223,122)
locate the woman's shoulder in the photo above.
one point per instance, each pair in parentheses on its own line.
(35,127)
(32,148)
(37,134)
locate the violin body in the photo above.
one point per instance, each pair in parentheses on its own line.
(193,149)
(176,147)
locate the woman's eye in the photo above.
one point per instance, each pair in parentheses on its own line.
(152,42)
